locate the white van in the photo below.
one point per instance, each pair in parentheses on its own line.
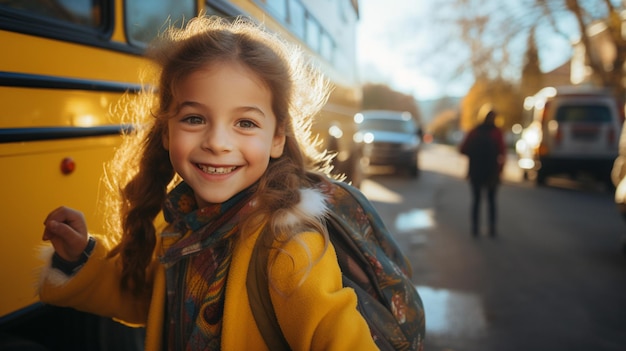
(573,130)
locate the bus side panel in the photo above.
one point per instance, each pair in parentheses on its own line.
(32,184)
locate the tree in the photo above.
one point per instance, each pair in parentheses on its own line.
(501,95)
(611,75)
(532,77)
(444,125)
(488,38)
(501,45)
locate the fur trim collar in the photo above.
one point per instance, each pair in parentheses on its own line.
(312,205)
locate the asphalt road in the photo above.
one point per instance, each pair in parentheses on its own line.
(554,278)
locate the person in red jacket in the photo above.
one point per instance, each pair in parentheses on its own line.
(484,146)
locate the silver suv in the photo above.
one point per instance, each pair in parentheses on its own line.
(573,130)
(388,138)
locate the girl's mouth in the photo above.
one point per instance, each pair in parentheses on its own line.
(216,170)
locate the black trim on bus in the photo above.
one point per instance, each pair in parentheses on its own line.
(26,80)
(17,314)
(19,22)
(12,135)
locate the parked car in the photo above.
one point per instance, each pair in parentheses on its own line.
(573,130)
(388,138)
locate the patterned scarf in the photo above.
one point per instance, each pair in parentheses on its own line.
(197,249)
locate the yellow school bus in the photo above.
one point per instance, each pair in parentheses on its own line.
(65,65)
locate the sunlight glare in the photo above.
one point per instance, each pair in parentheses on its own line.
(377,192)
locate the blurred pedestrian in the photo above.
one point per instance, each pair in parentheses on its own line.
(484,146)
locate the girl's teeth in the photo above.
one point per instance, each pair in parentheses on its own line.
(217,170)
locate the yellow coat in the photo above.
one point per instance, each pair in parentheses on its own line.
(318,315)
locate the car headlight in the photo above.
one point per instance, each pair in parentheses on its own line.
(357,137)
(360,137)
(335,131)
(368,138)
(521,147)
(532,137)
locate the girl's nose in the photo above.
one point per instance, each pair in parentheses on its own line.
(217,139)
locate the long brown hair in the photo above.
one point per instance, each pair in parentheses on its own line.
(141,173)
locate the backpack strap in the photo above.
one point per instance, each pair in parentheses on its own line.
(257,284)
(382,235)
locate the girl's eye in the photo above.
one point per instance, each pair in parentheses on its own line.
(246,124)
(193,120)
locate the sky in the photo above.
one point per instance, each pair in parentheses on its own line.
(383,49)
(381,56)
(390,32)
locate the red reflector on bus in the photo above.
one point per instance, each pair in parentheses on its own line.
(68,165)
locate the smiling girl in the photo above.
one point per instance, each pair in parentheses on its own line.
(226,159)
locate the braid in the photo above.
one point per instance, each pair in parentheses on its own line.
(144,196)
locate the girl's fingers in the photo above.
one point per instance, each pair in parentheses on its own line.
(68,216)
(67,230)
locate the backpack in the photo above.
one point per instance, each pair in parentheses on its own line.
(387,299)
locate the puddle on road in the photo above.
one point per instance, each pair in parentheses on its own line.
(452,313)
(417,218)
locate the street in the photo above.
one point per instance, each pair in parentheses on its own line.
(553,279)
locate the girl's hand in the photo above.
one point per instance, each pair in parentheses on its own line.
(66,229)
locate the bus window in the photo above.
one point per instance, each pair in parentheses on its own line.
(327,47)
(86,13)
(312,33)
(145,19)
(296,18)
(278,8)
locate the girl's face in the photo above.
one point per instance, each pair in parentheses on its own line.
(222,137)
